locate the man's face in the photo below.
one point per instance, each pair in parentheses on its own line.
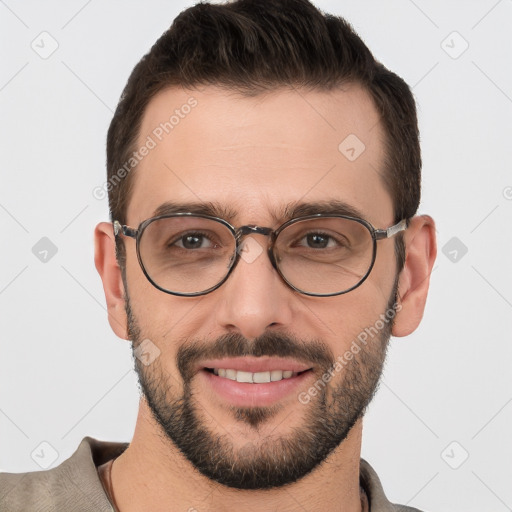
(254,157)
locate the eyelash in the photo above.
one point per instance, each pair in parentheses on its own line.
(189,233)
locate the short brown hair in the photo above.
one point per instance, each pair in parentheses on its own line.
(255,46)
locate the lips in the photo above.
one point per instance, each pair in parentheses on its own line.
(253,381)
(255,364)
(247,394)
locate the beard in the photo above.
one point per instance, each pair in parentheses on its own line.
(271,461)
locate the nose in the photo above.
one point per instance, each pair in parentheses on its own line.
(254,298)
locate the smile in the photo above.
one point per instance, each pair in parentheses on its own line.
(253,377)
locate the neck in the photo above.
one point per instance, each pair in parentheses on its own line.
(152,474)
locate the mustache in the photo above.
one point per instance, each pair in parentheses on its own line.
(313,352)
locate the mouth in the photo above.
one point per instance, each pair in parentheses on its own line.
(253,381)
(254,377)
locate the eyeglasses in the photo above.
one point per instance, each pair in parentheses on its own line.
(320,255)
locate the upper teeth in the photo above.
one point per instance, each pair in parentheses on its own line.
(258,377)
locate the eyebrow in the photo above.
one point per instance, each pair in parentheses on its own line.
(281,215)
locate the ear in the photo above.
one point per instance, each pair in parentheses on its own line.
(421,251)
(110,273)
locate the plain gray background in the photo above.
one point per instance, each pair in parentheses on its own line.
(438,431)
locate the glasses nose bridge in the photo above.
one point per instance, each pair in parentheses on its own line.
(254,230)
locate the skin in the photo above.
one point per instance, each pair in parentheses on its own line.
(256,155)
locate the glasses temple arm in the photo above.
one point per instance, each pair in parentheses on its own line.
(125,230)
(391,231)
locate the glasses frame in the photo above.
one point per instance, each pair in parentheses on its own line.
(242,231)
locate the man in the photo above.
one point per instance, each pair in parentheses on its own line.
(263,178)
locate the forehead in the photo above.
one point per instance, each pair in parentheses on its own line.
(258,157)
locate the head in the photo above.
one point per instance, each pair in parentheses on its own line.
(244,110)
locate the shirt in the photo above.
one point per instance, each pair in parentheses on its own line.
(75,485)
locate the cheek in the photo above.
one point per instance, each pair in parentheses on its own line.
(383,273)
(165,319)
(344,320)
(359,328)
(373,296)
(147,303)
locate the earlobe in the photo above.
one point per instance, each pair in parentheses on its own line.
(421,251)
(110,273)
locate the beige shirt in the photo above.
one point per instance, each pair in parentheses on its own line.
(75,484)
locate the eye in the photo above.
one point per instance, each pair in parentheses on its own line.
(193,241)
(318,240)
